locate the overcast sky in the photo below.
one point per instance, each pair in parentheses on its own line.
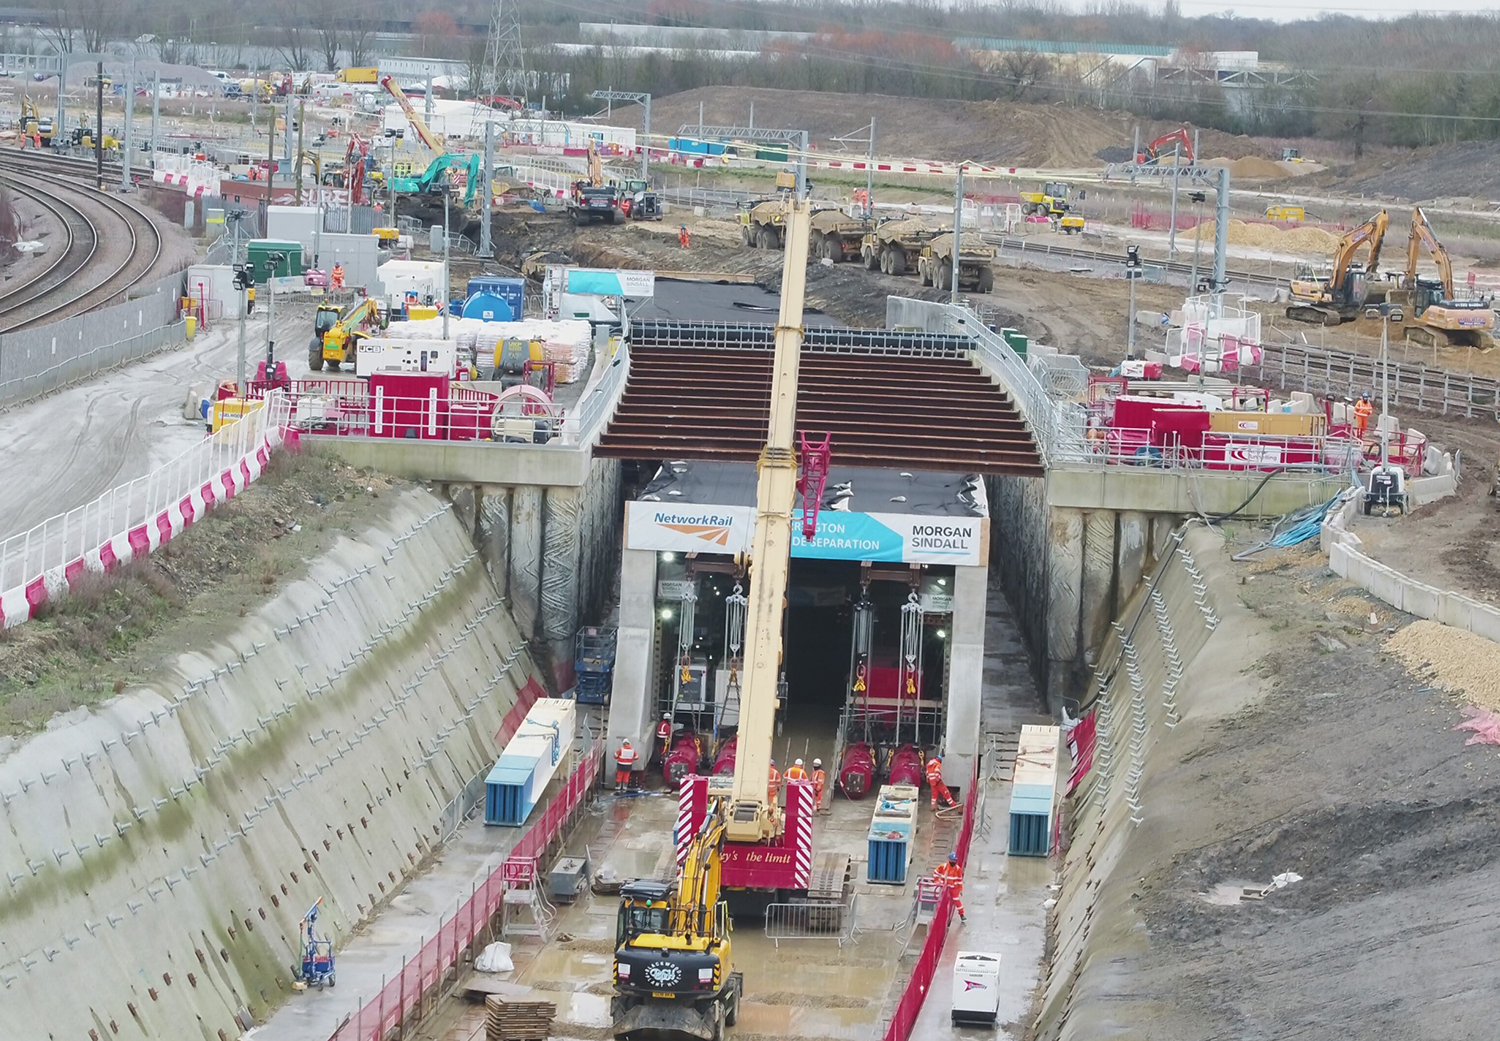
(1290,10)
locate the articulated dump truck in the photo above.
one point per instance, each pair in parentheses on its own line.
(836,235)
(935,265)
(895,245)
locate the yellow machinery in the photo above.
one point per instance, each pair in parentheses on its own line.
(1339,296)
(1436,318)
(33,124)
(1285,212)
(936,264)
(336,335)
(429,139)
(1050,201)
(761,225)
(674,974)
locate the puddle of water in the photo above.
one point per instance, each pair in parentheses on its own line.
(1225,894)
(791,1021)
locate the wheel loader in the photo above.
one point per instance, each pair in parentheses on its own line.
(975,275)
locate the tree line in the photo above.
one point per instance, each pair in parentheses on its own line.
(1417,80)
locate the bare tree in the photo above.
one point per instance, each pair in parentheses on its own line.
(330,41)
(294,44)
(1022,70)
(357,40)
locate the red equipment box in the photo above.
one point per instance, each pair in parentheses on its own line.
(409,405)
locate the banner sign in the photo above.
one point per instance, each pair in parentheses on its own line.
(881,537)
(599,282)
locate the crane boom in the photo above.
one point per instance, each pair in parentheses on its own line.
(1423,235)
(428,137)
(751,817)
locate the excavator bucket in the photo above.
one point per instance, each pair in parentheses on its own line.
(666,1021)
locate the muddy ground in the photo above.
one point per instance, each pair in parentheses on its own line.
(1349,773)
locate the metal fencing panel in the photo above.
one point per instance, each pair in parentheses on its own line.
(36,361)
(812,921)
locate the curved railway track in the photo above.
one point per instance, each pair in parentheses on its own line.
(110,245)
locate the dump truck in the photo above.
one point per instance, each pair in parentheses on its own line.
(836,235)
(895,245)
(1050,201)
(975,275)
(761,224)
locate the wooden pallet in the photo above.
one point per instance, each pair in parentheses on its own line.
(517,1020)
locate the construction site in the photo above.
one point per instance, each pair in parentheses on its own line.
(470,571)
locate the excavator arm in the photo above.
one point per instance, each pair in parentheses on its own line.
(1372,232)
(750,816)
(699,883)
(1423,235)
(428,137)
(1156,149)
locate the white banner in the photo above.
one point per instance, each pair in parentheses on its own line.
(892,537)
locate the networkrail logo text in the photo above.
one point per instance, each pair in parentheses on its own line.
(711,529)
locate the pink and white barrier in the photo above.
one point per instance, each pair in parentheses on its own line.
(21,602)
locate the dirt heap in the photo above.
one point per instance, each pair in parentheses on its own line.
(1454,659)
(1268,236)
(1250,168)
(112,632)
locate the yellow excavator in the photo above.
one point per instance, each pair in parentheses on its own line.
(336,334)
(1341,295)
(1435,317)
(674,975)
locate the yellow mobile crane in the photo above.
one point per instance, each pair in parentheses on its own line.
(1437,318)
(1339,296)
(674,972)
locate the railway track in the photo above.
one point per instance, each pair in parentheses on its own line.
(110,244)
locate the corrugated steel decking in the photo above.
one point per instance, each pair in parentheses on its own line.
(883,409)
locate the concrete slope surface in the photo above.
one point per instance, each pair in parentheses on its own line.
(162,849)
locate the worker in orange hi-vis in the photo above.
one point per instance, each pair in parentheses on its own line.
(819,780)
(951,877)
(664,736)
(337,276)
(935,782)
(1362,412)
(682,236)
(773,786)
(625,760)
(796,772)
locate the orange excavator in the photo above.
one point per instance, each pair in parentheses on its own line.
(1436,317)
(1162,147)
(1341,295)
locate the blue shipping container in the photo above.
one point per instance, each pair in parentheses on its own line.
(511,290)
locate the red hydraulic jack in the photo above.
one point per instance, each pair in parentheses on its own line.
(812,480)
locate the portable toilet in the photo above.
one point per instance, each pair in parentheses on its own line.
(489,307)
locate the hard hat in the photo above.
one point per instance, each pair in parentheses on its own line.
(817,762)
(773,762)
(624,744)
(797,763)
(953,858)
(666,715)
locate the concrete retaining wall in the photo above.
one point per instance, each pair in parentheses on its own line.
(553,550)
(1142,688)
(162,848)
(1346,559)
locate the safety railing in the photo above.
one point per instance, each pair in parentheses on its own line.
(1116,446)
(904,1018)
(812,921)
(438,961)
(1022,383)
(58,541)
